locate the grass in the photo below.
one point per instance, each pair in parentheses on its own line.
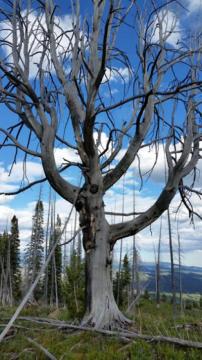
(79,345)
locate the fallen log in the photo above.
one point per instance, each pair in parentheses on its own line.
(41,348)
(192,326)
(62,325)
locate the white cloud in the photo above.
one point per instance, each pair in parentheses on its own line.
(103,143)
(33,170)
(65,42)
(152,164)
(36,24)
(171,30)
(116,75)
(147,158)
(62,154)
(5,199)
(11,182)
(190,236)
(147,240)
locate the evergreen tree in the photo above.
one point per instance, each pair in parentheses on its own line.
(126,273)
(6,296)
(55,267)
(15,259)
(124,282)
(35,250)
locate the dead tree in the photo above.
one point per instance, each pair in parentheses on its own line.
(158,273)
(47,235)
(120,251)
(179,269)
(135,279)
(172,265)
(48,64)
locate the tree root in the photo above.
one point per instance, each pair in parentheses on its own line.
(105,322)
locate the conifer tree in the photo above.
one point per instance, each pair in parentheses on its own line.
(124,279)
(6,295)
(35,250)
(126,273)
(55,268)
(15,259)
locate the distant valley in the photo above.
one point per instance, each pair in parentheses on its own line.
(191,277)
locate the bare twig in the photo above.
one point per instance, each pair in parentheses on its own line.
(42,348)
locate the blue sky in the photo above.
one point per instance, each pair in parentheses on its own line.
(24,203)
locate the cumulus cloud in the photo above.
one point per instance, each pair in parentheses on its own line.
(65,41)
(116,74)
(62,154)
(171,29)
(147,239)
(36,24)
(153,164)
(67,154)
(8,180)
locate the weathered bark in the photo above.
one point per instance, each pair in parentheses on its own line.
(37,103)
(101,308)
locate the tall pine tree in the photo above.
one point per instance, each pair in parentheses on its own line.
(55,266)
(15,259)
(35,250)
(6,293)
(124,279)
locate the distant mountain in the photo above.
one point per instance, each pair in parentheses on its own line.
(191,277)
(166,266)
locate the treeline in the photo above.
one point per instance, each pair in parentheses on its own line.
(64,280)
(10,270)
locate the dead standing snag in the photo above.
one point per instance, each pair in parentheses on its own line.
(47,61)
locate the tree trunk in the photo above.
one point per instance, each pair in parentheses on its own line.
(180,274)
(172,265)
(158,275)
(101,308)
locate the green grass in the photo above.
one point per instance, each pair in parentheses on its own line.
(79,345)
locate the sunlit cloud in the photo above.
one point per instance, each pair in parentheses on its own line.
(171,29)
(36,43)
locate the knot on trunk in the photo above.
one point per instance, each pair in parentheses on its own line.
(94,188)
